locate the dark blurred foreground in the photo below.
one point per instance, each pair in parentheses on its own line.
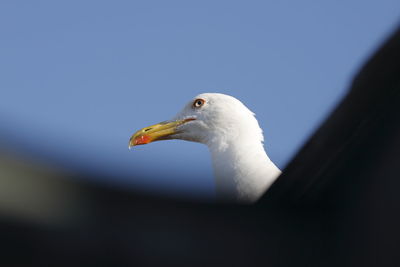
(337,203)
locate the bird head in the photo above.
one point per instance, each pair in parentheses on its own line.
(208,118)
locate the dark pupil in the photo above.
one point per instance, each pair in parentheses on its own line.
(199,103)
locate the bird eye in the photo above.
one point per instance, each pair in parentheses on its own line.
(198,103)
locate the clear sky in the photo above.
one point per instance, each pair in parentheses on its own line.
(79,77)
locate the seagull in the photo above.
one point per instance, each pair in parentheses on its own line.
(242,169)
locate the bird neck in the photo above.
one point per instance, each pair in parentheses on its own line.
(242,170)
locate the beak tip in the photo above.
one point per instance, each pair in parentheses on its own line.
(131,144)
(138,140)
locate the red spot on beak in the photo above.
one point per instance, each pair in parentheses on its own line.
(142,140)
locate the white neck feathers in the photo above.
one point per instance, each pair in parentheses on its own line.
(242,169)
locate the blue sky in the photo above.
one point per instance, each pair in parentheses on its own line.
(79,77)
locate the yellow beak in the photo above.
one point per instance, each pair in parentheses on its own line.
(160,131)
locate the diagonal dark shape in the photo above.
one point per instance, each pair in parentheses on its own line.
(364,122)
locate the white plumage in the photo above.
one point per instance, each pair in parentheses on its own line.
(242,169)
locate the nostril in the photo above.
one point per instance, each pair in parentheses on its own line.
(148,129)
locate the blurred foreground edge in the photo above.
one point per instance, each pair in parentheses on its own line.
(337,203)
